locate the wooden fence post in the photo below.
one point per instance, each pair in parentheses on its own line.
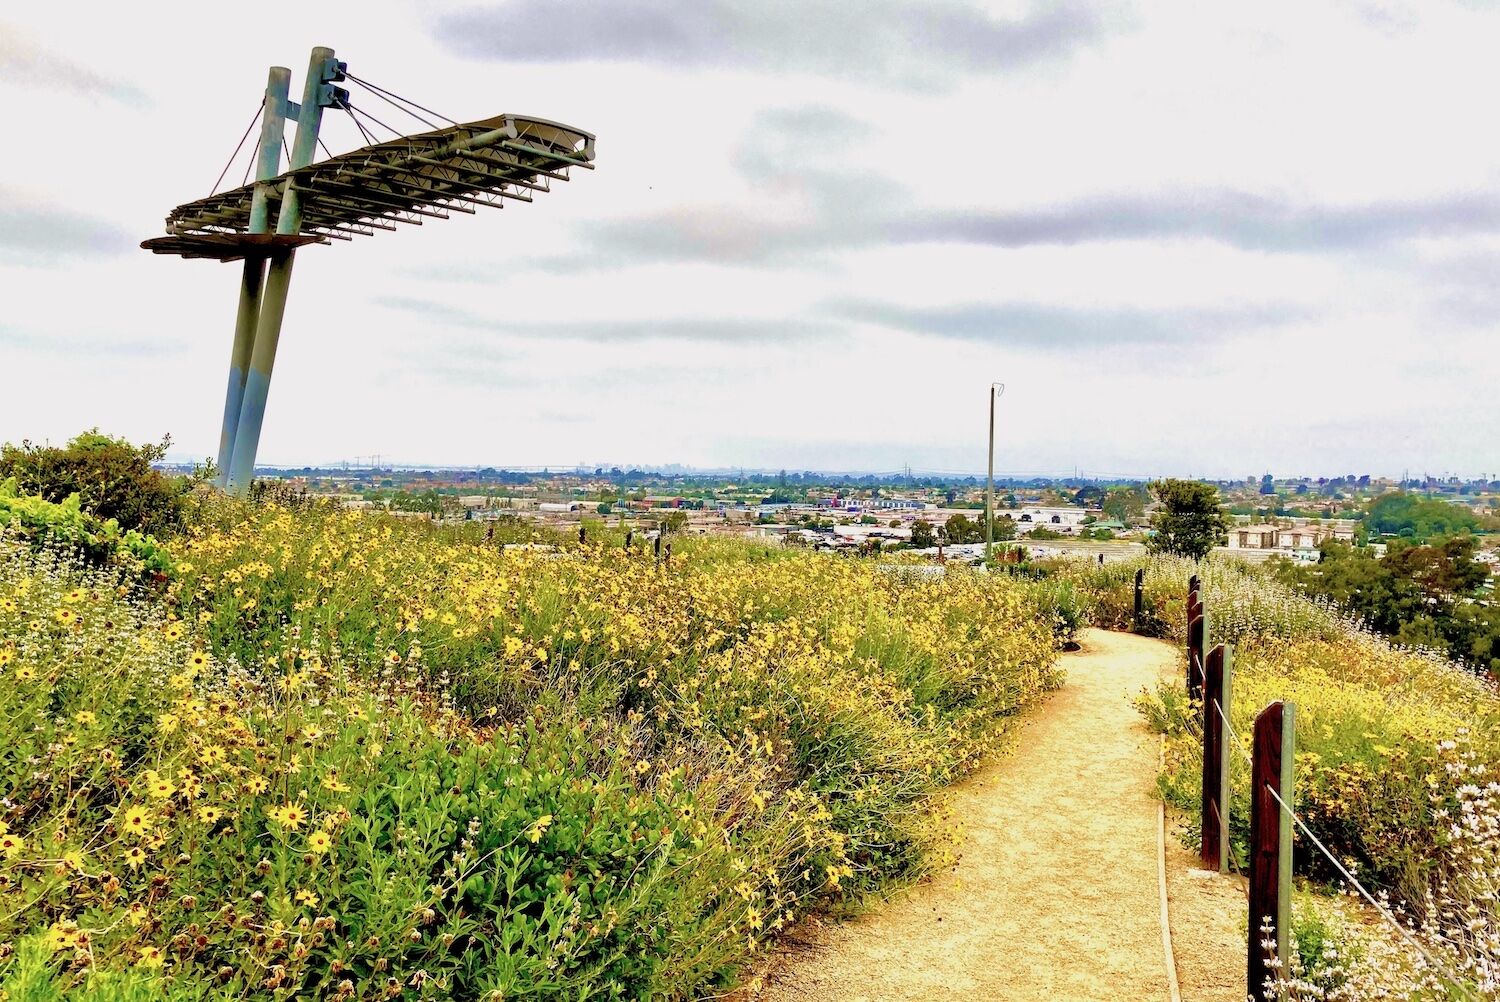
(1216,738)
(1197,628)
(1140,596)
(1272,768)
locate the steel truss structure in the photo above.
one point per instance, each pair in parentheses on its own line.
(428,175)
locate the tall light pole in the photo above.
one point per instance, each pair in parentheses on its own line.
(989,488)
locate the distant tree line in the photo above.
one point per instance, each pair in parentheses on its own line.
(1415,517)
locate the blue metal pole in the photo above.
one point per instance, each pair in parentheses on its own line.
(273,115)
(315,94)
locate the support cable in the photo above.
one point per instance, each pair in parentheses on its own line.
(391,94)
(239,146)
(369,139)
(361,111)
(1238,743)
(393,104)
(254,155)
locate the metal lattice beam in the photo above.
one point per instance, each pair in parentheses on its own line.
(424,175)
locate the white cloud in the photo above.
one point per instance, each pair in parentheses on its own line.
(1190,238)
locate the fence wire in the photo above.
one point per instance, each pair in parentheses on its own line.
(1385,912)
(1380,908)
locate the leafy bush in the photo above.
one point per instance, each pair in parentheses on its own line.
(67,525)
(182,807)
(112,478)
(1065,603)
(869,685)
(1109,591)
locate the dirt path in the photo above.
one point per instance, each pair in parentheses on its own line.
(1209,914)
(1056,894)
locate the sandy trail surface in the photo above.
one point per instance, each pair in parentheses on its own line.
(1055,895)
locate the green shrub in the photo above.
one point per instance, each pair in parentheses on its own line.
(65,524)
(1243,600)
(1066,604)
(112,478)
(279,834)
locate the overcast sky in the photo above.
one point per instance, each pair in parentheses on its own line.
(1204,239)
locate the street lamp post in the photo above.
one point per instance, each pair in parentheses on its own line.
(989,488)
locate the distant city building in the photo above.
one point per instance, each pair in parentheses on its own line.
(896,504)
(1295,535)
(1064,520)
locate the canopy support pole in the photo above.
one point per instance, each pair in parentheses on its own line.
(316,93)
(267,166)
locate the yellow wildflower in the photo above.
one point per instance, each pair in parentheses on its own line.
(289,816)
(135,820)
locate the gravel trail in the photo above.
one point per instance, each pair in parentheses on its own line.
(1055,895)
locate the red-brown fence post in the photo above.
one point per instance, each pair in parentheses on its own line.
(1216,738)
(1271,844)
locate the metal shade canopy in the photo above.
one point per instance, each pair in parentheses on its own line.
(406,180)
(409,180)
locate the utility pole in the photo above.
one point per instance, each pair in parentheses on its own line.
(989,484)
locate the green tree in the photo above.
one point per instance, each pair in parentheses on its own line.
(1422,595)
(962,529)
(1091,495)
(1402,514)
(429,501)
(1125,505)
(1190,522)
(922,535)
